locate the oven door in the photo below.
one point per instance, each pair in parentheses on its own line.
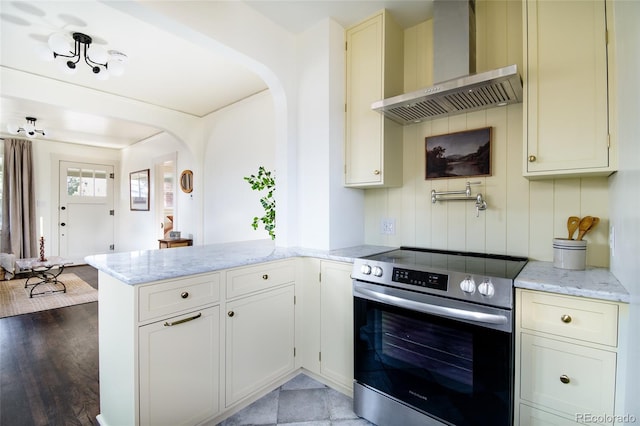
(450,360)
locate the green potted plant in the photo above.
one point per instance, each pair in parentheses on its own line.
(265,180)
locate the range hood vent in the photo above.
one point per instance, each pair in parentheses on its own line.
(454,61)
(461,95)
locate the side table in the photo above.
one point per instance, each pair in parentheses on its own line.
(175,242)
(42,272)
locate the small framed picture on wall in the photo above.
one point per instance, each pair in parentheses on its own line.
(139,187)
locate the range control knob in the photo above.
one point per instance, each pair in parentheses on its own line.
(377,271)
(468,285)
(486,288)
(365,269)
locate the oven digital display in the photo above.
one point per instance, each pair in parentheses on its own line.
(420,278)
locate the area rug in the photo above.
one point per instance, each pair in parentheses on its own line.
(15,300)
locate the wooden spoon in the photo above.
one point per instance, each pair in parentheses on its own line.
(584,225)
(572,225)
(596,221)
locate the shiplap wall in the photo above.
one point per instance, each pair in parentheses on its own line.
(523,216)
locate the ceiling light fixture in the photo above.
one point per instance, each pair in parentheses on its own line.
(29,128)
(103,63)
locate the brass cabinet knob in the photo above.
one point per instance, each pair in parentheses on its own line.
(376,172)
(184,294)
(265,277)
(566,318)
(565,379)
(532,158)
(230,314)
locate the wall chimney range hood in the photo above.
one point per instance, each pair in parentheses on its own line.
(454,56)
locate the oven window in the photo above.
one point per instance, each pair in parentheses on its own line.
(457,372)
(442,350)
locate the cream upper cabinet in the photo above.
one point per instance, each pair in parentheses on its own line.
(567,90)
(374,62)
(567,361)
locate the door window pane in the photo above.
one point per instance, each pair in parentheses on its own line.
(86,182)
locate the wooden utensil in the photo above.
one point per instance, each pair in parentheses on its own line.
(572,225)
(596,221)
(584,225)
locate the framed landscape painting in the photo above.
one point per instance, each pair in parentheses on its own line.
(461,154)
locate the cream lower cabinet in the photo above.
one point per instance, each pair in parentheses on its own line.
(179,369)
(328,321)
(260,327)
(566,359)
(159,351)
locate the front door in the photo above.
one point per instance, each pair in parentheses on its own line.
(86,212)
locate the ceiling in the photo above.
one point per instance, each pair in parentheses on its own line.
(166,77)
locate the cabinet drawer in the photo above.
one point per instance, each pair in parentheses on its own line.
(572,317)
(570,378)
(254,278)
(177,295)
(530,416)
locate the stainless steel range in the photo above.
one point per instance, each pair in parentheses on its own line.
(434,337)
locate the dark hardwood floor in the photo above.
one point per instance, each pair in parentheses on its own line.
(49,364)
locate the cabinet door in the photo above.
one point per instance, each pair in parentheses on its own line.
(566,130)
(259,341)
(179,369)
(373,144)
(336,323)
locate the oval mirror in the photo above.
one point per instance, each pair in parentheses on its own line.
(186,181)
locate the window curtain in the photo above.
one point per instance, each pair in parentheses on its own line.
(18,200)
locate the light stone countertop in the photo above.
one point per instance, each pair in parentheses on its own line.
(597,283)
(144,266)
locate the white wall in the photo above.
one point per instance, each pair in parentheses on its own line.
(242,137)
(523,216)
(624,189)
(139,230)
(330,216)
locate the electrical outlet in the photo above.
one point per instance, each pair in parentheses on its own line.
(612,240)
(388,226)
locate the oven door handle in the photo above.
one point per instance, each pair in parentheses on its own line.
(432,309)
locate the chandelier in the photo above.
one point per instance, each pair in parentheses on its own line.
(29,128)
(103,63)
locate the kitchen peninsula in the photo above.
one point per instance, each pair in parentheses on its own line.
(193,334)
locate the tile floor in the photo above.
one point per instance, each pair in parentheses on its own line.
(300,401)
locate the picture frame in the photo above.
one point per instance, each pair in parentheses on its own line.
(460,154)
(139,190)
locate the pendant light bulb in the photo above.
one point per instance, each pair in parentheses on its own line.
(60,43)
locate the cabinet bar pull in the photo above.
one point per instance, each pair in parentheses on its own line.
(566,318)
(565,379)
(182,321)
